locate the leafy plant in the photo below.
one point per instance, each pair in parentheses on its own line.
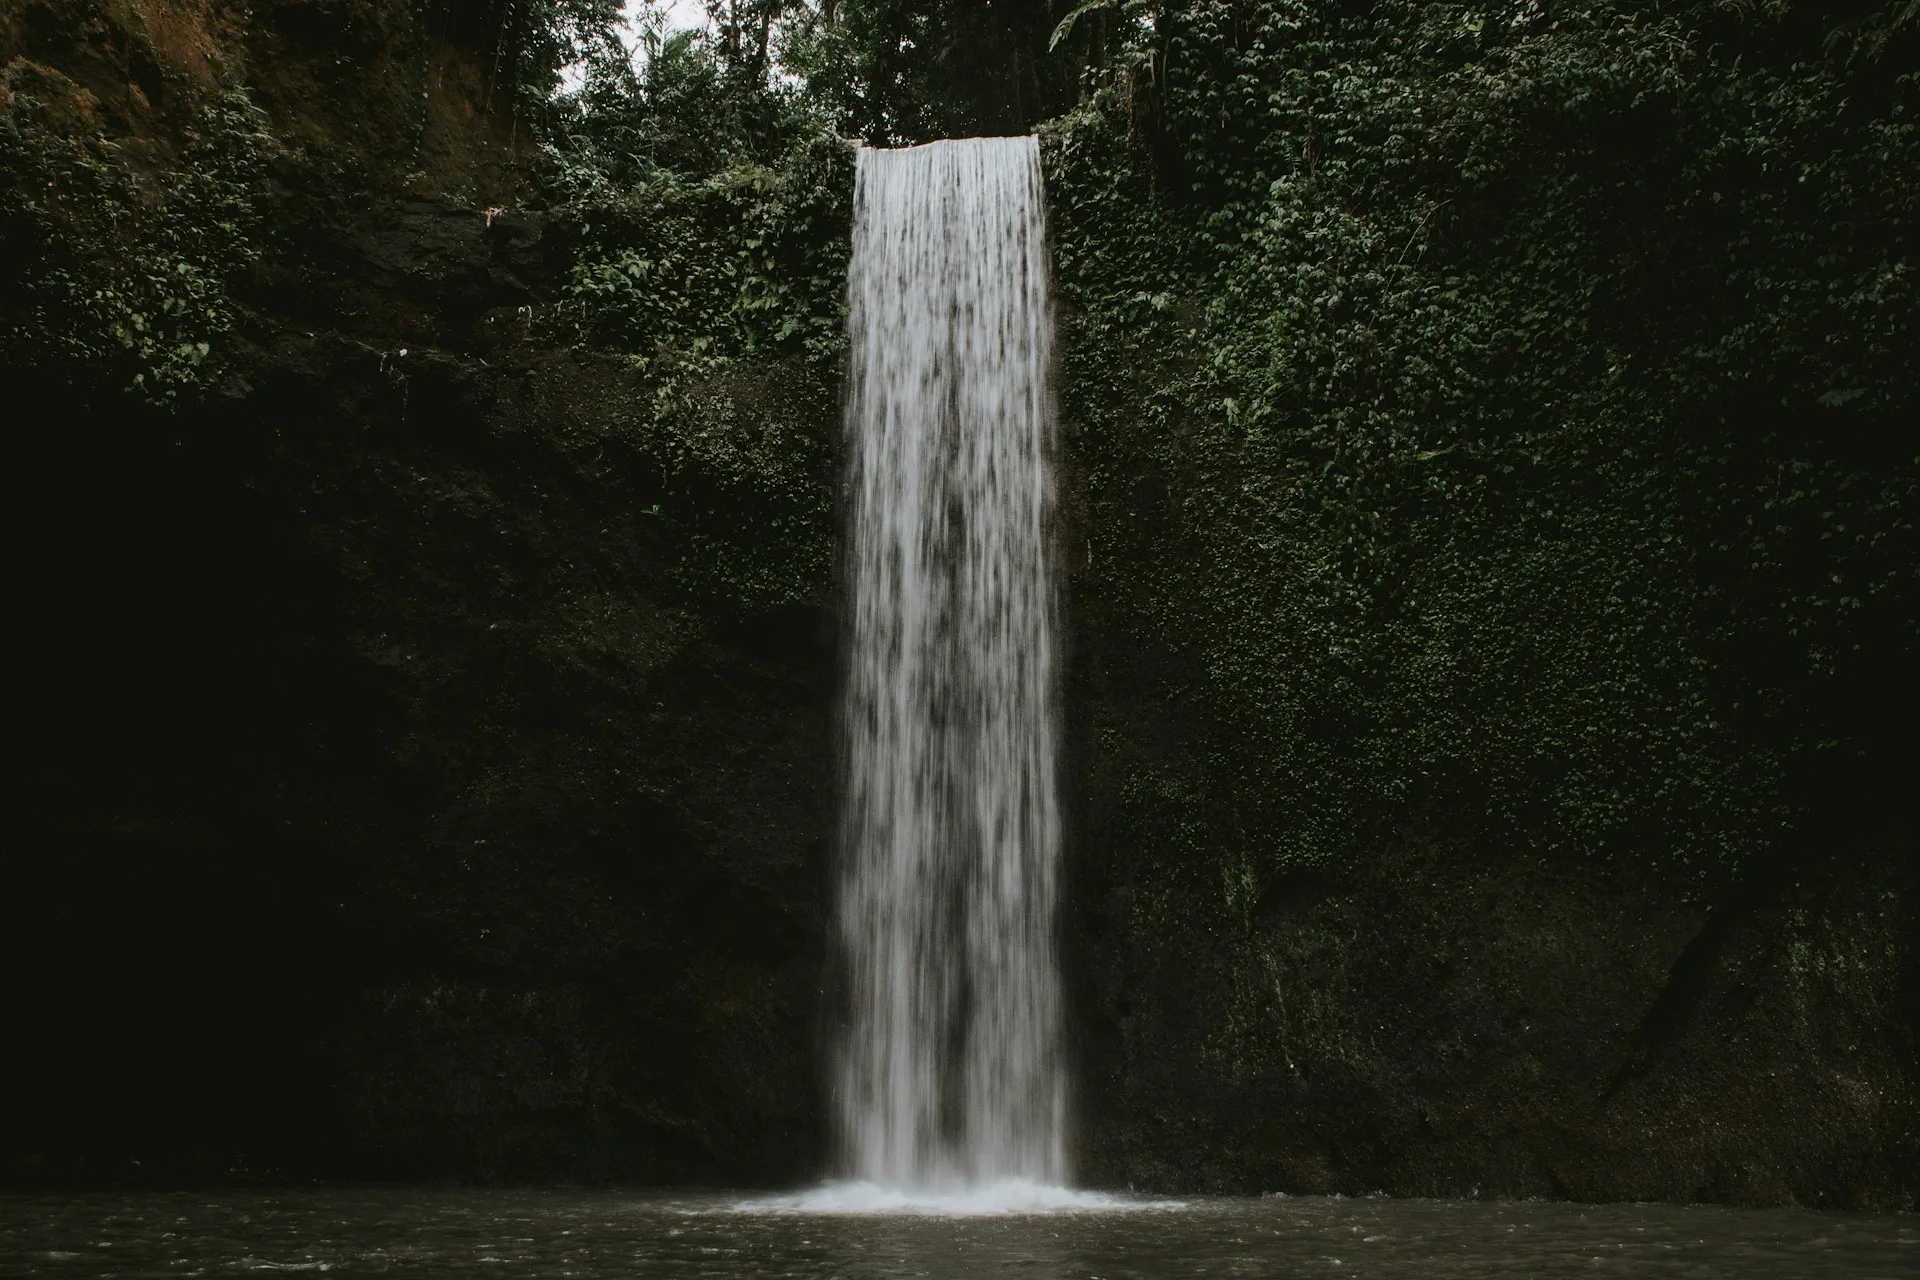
(115,271)
(1498,412)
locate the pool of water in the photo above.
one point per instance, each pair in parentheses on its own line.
(593,1234)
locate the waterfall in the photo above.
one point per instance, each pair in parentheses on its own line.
(949,1072)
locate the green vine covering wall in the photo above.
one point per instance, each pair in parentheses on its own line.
(1497,416)
(1497,409)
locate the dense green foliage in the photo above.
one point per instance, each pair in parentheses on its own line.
(714,216)
(724,293)
(1486,410)
(118,275)
(678,109)
(902,71)
(1501,412)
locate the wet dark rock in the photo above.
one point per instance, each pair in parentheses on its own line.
(1458,1022)
(394,811)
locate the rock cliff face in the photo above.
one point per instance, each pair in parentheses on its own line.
(1449,1024)
(1451,1017)
(396,808)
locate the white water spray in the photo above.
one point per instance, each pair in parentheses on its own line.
(949,1075)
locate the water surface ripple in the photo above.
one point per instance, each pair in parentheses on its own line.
(596,1234)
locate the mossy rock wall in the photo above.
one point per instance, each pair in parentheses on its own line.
(428,781)
(1484,768)
(1495,619)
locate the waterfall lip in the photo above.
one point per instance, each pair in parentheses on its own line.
(864,145)
(1007,1197)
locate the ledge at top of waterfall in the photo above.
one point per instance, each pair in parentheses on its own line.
(1013,1196)
(948,1073)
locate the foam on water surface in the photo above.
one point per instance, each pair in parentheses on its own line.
(1008,1196)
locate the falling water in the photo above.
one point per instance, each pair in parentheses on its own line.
(949,1072)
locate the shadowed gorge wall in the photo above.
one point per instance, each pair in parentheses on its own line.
(1490,519)
(430,731)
